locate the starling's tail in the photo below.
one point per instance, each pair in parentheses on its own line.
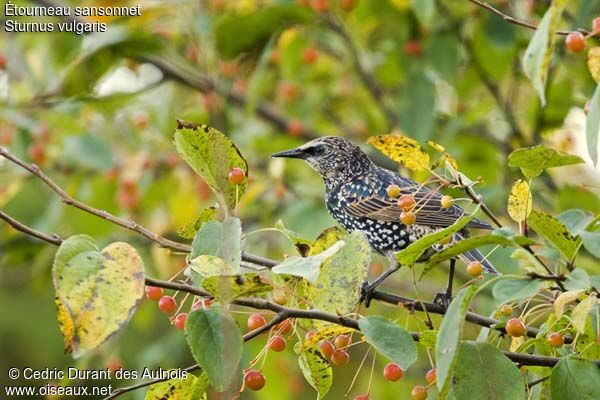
(475,255)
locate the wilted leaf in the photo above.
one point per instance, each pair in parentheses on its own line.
(534,160)
(503,381)
(323,333)
(581,311)
(519,201)
(573,378)
(226,288)
(326,239)
(565,298)
(337,287)
(554,232)
(307,267)
(537,57)
(220,239)
(211,155)
(415,250)
(446,157)
(216,344)
(448,338)
(190,388)
(389,339)
(594,63)
(98,290)
(592,126)
(402,149)
(316,370)
(515,288)
(188,231)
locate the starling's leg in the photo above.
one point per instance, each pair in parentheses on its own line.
(368,288)
(444,298)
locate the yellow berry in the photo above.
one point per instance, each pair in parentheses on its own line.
(474,268)
(408,217)
(393,191)
(446,201)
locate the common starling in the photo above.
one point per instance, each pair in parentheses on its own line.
(356,196)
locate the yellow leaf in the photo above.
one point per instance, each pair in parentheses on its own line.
(402,149)
(97,290)
(446,157)
(594,63)
(316,370)
(324,333)
(226,288)
(563,299)
(519,201)
(581,311)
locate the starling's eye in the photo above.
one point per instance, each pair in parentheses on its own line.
(319,150)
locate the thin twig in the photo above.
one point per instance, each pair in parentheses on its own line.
(54,238)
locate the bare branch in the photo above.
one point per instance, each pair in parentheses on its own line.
(53,239)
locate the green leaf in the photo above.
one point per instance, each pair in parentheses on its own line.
(592,126)
(302,245)
(575,220)
(463,246)
(534,160)
(502,380)
(316,370)
(428,338)
(591,242)
(389,339)
(337,288)
(190,388)
(536,60)
(220,239)
(97,291)
(307,267)
(424,10)
(578,279)
(257,27)
(416,114)
(515,288)
(216,344)
(528,262)
(412,253)
(448,338)
(580,312)
(554,232)
(573,378)
(188,231)
(211,155)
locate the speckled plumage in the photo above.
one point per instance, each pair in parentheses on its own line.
(356,196)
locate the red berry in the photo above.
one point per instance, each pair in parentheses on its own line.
(113,364)
(341,341)
(340,357)
(474,268)
(153,292)
(419,393)
(431,376)
(37,153)
(596,25)
(408,217)
(309,55)
(236,176)
(295,127)
(320,5)
(6,136)
(277,343)
(201,303)
(555,339)
(392,372)
(327,348)
(256,321)
(413,48)
(289,91)
(2,61)
(515,327)
(284,327)
(575,42)
(406,202)
(167,304)
(506,310)
(347,5)
(275,57)
(180,320)
(254,380)
(362,397)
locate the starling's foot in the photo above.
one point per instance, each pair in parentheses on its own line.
(442,299)
(366,291)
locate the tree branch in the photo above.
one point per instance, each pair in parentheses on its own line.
(53,238)
(512,20)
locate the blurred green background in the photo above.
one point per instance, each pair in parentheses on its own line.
(96,112)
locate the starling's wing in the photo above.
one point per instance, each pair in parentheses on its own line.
(369,199)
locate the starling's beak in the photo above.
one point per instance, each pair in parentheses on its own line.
(292,153)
